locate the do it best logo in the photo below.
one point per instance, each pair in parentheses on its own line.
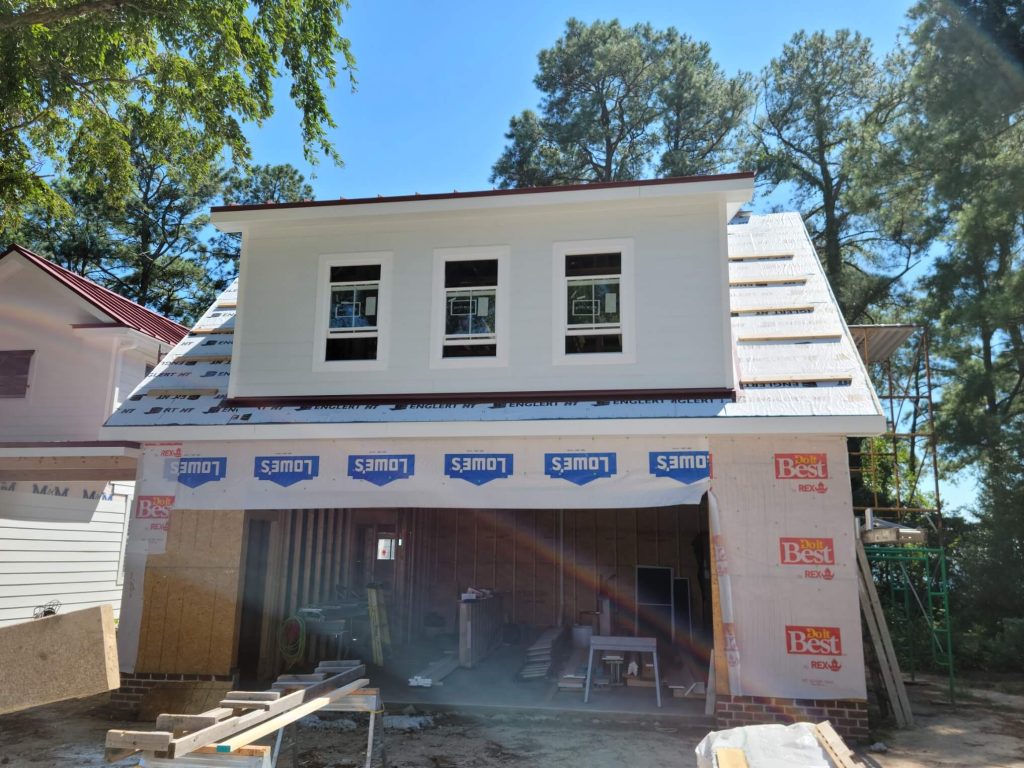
(806,551)
(801,466)
(814,641)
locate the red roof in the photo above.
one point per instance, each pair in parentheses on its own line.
(125,312)
(488,192)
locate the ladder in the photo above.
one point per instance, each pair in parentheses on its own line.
(380,631)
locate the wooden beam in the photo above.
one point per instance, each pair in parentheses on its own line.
(299,712)
(66,475)
(223,729)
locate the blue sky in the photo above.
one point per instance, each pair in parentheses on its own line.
(438,82)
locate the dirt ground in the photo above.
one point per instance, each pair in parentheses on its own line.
(985,728)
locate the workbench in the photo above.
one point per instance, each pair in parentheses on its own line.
(626,645)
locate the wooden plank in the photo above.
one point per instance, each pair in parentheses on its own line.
(180,724)
(246,704)
(223,729)
(719,661)
(297,713)
(840,754)
(730,757)
(874,616)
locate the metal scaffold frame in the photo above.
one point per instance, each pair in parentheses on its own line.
(905,390)
(912,580)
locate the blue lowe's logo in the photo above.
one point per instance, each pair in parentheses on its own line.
(382,469)
(286,470)
(579,468)
(194,472)
(478,468)
(684,466)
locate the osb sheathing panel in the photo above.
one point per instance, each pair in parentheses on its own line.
(190,603)
(60,657)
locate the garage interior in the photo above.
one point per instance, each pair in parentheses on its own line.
(622,572)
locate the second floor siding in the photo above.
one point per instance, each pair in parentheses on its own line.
(630,296)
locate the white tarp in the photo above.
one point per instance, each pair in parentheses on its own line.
(767,746)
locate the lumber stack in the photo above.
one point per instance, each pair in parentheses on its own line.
(541,655)
(242,716)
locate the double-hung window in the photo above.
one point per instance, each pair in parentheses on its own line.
(471,295)
(351,310)
(593,307)
(592,298)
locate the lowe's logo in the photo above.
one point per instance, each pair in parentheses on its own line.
(194,472)
(478,468)
(579,468)
(684,466)
(381,470)
(286,470)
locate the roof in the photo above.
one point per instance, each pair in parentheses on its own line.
(456,195)
(797,367)
(125,312)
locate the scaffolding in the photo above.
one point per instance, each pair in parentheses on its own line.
(889,476)
(889,473)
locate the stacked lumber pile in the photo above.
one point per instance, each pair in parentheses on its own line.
(243,716)
(541,655)
(434,673)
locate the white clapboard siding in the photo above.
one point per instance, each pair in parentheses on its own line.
(65,549)
(50,575)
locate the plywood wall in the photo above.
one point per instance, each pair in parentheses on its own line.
(190,609)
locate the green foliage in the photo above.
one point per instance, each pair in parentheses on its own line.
(68,68)
(254,186)
(617,99)
(818,103)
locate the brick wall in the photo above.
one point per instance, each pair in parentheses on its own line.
(127,701)
(849,718)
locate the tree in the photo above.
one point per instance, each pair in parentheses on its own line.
(146,245)
(66,67)
(255,186)
(616,100)
(818,102)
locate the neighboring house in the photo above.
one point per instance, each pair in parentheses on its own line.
(70,353)
(524,390)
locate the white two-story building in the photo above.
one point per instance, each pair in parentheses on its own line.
(604,398)
(70,352)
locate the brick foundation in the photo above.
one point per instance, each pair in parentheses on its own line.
(127,701)
(849,718)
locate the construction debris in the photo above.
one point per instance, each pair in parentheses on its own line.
(776,746)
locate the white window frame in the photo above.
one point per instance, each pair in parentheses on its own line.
(442,256)
(627,301)
(323,304)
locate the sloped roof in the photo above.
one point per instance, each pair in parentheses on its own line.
(122,310)
(793,353)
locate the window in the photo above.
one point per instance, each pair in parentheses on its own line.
(352,315)
(592,290)
(351,310)
(14,367)
(470,319)
(385,547)
(593,302)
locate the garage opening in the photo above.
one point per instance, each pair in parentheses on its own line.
(484,606)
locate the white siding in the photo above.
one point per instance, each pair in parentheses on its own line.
(69,377)
(679,272)
(65,548)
